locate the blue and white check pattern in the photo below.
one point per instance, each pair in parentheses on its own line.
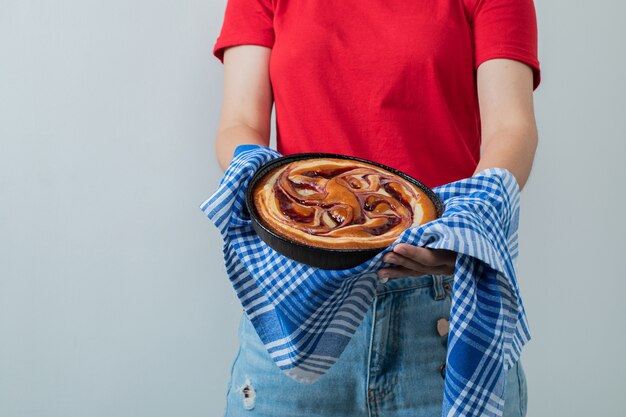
(306,316)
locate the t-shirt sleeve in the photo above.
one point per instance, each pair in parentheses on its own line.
(506,29)
(245,22)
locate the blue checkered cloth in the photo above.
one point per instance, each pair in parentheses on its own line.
(306,316)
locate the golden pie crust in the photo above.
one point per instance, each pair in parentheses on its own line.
(338,203)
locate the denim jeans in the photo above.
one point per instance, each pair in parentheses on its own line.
(391,367)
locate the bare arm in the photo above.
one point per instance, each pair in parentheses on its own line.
(248,99)
(509,140)
(509,129)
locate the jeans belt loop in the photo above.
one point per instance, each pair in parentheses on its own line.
(440,292)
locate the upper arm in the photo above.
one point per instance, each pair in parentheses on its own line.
(505,29)
(505,40)
(505,95)
(243,46)
(248,96)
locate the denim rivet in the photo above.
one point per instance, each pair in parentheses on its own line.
(447,286)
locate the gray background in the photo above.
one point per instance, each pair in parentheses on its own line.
(113,296)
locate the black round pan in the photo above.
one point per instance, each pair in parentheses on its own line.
(319,257)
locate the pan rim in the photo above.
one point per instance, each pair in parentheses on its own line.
(264,169)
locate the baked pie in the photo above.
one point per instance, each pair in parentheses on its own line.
(338,203)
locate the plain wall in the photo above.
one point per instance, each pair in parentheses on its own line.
(113,296)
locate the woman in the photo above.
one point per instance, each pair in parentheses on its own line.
(440,90)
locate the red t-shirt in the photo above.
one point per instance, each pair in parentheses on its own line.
(389,81)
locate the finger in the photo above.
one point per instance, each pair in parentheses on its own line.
(426,256)
(398,272)
(402,271)
(418,267)
(423,256)
(401,260)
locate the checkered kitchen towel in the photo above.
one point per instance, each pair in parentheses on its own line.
(305,316)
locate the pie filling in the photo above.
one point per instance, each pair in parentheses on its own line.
(340,204)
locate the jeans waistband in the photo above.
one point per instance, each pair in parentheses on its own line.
(439,283)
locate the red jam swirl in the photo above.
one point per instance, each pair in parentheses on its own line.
(327,200)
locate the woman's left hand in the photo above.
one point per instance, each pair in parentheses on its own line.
(417,261)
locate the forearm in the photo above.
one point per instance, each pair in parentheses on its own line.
(229,138)
(513,149)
